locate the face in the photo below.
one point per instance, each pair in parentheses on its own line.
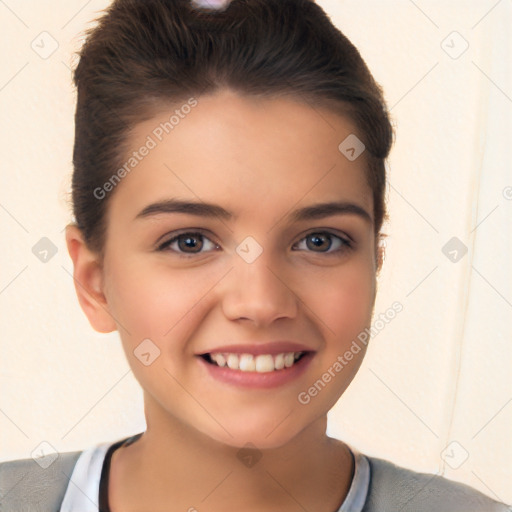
(260,273)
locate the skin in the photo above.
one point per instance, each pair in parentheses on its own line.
(260,159)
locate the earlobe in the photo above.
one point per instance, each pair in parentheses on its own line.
(88,281)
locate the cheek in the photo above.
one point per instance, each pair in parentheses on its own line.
(152,301)
(345,301)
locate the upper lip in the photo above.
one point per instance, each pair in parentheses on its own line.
(272,348)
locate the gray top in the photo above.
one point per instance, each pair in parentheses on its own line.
(71,484)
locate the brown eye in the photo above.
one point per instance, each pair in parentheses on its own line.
(322,241)
(193,242)
(188,243)
(319,241)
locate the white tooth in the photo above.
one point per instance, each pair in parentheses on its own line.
(264,363)
(288,359)
(233,361)
(279,362)
(261,363)
(219,359)
(247,363)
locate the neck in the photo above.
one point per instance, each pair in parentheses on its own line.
(174,463)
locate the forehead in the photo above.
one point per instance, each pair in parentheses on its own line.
(247,153)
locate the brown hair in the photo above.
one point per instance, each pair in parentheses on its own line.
(146,53)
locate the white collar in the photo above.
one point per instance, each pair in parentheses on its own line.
(83,490)
(358,492)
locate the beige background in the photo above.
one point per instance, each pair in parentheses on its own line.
(438,375)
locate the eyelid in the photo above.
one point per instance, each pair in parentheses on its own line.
(330,231)
(167,237)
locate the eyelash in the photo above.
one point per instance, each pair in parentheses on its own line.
(346,244)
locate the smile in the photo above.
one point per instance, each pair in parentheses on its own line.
(261,363)
(255,370)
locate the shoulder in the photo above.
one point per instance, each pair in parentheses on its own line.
(395,488)
(35,484)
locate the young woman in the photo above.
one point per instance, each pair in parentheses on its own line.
(228,191)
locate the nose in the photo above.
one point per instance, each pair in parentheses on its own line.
(259,292)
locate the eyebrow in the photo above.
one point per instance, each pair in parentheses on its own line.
(208,210)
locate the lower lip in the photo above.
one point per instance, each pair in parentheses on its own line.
(256,379)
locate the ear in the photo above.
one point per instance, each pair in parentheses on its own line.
(380,253)
(88,278)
